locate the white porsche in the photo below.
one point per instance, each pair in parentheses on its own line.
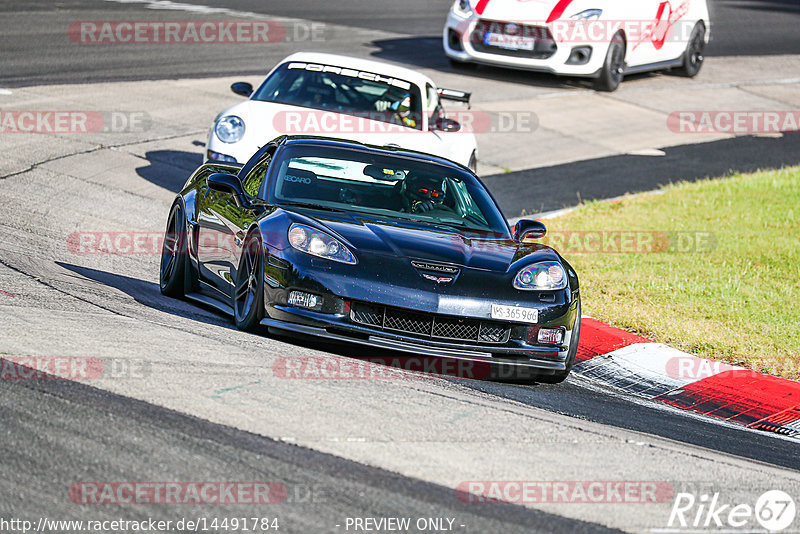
(346,98)
(601,39)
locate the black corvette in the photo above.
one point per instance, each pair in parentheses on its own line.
(376,246)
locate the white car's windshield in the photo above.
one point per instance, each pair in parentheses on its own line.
(343,90)
(385,186)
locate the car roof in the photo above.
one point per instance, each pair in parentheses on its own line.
(378,67)
(289,140)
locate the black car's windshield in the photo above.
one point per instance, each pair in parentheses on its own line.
(384,186)
(342,90)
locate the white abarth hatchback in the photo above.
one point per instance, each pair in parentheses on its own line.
(601,39)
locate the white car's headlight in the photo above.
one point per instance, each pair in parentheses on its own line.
(589,14)
(542,276)
(311,241)
(463,8)
(229,129)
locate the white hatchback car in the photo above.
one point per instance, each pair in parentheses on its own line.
(601,39)
(347,98)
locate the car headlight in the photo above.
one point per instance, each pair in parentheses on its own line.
(542,276)
(229,129)
(311,241)
(589,14)
(463,8)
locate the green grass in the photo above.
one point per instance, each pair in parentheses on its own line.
(738,303)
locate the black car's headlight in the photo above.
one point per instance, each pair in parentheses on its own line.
(229,129)
(463,8)
(317,243)
(542,276)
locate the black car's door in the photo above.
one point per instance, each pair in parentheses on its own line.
(223,224)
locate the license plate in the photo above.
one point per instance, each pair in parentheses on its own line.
(510,42)
(515,313)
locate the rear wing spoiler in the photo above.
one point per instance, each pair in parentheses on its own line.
(452,94)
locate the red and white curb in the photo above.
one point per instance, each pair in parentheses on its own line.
(639,366)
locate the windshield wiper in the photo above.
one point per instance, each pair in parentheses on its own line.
(312,206)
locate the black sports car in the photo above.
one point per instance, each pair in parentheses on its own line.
(377,246)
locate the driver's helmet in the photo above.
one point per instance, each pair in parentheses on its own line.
(422,187)
(402,106)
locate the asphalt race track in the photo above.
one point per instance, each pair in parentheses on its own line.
(194,399)
(759,27)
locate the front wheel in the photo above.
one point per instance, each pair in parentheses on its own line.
(248,295)
(611,73)
(693,56)
(173,254)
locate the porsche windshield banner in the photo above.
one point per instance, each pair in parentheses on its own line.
(352,73)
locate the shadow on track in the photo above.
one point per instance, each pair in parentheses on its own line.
(426,52)
(613,176)
(149,294)
(169,168)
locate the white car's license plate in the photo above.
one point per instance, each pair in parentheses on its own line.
(515,313)
(511,42)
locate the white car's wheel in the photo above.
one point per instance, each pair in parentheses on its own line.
(693,56)
(611,73)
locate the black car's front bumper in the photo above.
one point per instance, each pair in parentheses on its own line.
(391,284)
(340,327)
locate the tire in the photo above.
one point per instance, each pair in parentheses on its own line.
(172,274)
(473,163)
(611,72)
(248,293)
(560,376)
(693,56)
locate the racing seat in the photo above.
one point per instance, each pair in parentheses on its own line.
(318,95)
(298,184)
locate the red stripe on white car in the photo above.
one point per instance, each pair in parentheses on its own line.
(558,10)
(481,6)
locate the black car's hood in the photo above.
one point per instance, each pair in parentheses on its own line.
(421,241)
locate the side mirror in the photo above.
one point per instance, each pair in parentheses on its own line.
(228,183)
(527,229)
(242,88)
(446,125)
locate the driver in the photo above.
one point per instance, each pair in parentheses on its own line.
(401,108)
(424,192)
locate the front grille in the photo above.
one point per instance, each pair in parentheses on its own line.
(366,315)
(404,321)
(544,45)
(429,325)
(494,333)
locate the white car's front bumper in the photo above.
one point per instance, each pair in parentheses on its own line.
(457,32)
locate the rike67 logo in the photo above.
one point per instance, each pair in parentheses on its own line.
(773,511)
